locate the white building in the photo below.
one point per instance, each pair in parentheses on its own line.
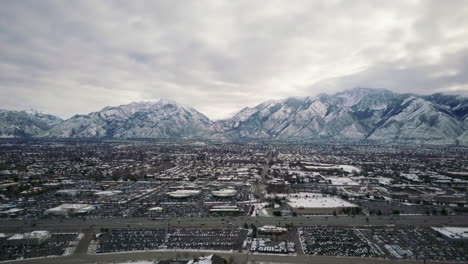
(224,208)
(453,233)
(34,238)
(268,229)
(70,209)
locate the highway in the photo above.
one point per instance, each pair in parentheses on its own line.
(12,225)
(240,258)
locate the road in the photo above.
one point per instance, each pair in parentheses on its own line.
(260,186)
(239,258)
(217,222)
(82,247)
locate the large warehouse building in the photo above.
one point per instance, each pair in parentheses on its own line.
(70,209)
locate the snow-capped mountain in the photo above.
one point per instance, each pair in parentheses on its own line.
(28,123)
(356,114)
(161,119)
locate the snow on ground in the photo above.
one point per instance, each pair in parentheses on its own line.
(350,168)
(319,202)
(308,200)
(384,180)
(341,181)
(411,177)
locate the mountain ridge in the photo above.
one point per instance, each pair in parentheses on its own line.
(354,114)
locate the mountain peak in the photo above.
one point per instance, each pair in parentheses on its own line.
(357,114)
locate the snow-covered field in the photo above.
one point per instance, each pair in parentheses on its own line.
(319,202)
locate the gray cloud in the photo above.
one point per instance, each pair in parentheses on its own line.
(67,57)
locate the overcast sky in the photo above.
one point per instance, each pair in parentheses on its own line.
(75,57)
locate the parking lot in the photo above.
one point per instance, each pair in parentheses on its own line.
(132,240)
(401,243)
(221,239)
(332,241)
(415,243)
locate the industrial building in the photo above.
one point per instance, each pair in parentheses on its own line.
(269,229)
(453,233)
(70,209)
(34,238)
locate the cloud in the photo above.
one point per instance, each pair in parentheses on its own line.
(220,56)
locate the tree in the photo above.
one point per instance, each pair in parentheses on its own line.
(443,212)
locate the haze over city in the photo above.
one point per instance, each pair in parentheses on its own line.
(68,58)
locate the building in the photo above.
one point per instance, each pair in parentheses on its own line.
(268,229)
(35,238)
(225,209)
(13,212)
(453,233)
(317,204)
(70,209)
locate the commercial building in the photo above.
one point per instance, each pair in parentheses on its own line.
(269,229)
(70,209)
(34,238)
(453,233)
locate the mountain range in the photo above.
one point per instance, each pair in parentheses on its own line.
(355,114)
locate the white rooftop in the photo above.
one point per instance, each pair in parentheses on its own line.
(33,234)
(453,232)
(108,193)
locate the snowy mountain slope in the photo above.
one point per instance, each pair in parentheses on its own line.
(161,119)
(420,121)
(29,123)
(357,114)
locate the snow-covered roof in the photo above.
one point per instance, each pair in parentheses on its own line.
(453,232)
(202,260)
(66,207)
(33,234)
(108,193)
